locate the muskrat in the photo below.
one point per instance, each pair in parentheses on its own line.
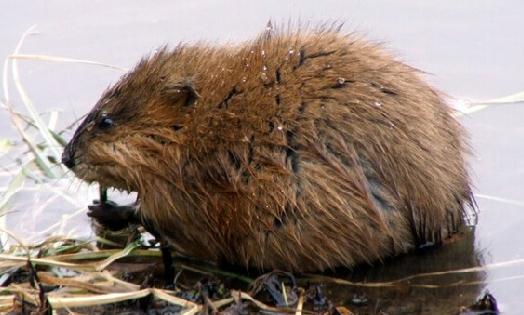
(299,151)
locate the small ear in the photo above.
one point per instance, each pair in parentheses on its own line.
(182,91)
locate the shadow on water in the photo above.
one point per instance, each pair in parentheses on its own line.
(431,294)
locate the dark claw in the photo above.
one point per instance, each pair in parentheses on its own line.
(169,270)
(112,216)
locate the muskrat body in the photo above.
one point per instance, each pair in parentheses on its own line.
(298,151)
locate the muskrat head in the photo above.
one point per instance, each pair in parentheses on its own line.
(136,128)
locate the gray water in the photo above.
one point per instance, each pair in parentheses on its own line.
(472,50)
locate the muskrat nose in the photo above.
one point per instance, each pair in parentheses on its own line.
(68,157)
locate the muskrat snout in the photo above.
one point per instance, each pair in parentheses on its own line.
(68,156)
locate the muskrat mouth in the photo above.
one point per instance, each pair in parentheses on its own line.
(103,174)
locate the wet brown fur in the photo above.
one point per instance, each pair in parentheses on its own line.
(298,150)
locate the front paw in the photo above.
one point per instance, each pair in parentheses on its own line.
(110,215)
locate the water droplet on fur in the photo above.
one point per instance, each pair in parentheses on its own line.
(341,81)
(263,53)
(377,104)
(280,127)
(244,79)
(264,68)
(291,51)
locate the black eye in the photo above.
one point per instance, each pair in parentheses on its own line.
(105,122)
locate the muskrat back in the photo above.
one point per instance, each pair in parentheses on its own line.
(297,150)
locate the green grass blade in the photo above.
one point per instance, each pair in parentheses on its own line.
(58,138)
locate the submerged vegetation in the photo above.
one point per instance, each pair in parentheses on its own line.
(58,269)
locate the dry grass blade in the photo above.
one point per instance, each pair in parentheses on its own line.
(327,279)
(191,307)
(284,293)
(29,295)
(300,303)
(467,283)
(470,110)
(42,127)
(47,278)
(6,302)
(502,200)
(65,60)
(260,305)
(85,301)
(17,121)
(513,98)
(221,303)
(7,265)
(91,300)
(476,106)
(109,277)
